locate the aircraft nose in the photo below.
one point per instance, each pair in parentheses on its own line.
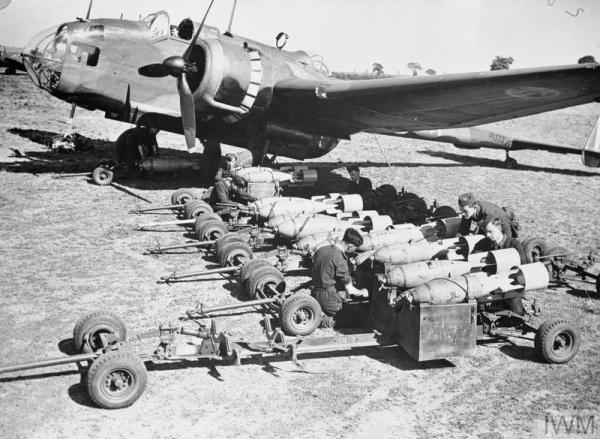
(44,55)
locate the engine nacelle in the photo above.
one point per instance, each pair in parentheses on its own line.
(296,144)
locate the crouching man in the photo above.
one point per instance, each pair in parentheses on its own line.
(497,238)
(331,274)
(230,192)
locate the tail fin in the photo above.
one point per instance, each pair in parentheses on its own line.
(590,155)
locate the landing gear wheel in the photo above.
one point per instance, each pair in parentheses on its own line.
(211,230)
(263,277)
(444,212)
(300,315)
(510,163)
(534,249)
(126,148)
(116,379)
(182,196)
(250,267)
(556,341)
(195,208)
(90,330)
(234,254)
(226,239)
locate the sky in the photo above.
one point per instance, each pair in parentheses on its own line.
(446,35)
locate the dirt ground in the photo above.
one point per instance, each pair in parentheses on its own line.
(69,246)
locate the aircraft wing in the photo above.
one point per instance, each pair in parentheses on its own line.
(434,102)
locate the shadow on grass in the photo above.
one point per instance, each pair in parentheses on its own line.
(522,353)
(465,160)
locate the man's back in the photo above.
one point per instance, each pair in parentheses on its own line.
(362,186)
(330,267)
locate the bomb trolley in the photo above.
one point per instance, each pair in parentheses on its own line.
(116,376)
(565,266)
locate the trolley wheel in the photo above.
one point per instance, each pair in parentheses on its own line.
(195,208)
(203,219)
(102,176)
(534,248)
(526,240)
(443,212)
(234,253)
(249,267)
(226,239)
(300,315)
(556,341)
(211,230)
(116,379)
(263,277)
(89,329)
(182,196)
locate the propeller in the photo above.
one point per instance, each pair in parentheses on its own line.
(179,67)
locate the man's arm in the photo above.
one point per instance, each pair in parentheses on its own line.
(465,227)
(242,194)
(342,274)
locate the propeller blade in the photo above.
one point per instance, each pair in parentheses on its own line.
(188,51)
(156,70)
(188,111)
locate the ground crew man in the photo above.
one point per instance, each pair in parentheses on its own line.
(362,186)
(230,192)
(226,168)
(496,239)
(331,274)
(357,184)
(476,214)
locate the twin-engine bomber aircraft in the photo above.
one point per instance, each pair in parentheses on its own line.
(223,88)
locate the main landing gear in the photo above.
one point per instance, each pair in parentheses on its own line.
(509,162)
(137,151)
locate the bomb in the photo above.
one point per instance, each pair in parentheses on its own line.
(298,228)
(310,242)
(380,238)
(477,286)
(263,175)
(417,273)
(454,249)
(291,206)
